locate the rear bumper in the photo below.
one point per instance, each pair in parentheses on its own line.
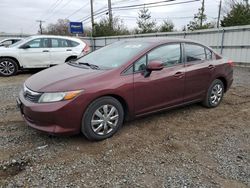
(57,118)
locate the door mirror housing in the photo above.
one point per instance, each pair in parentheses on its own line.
(155,65)
(25,46)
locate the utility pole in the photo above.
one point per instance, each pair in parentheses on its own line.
(92,17)
(41,25)
(202,12)
(218,21)
(110,14)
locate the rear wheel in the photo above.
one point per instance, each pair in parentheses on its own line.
(102,118)
(214,94)
(8,67)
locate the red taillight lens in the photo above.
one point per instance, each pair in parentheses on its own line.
(86,49)
(230,62)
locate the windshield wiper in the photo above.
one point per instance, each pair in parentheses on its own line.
(89,65)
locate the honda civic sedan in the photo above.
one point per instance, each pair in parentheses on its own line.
(96,93)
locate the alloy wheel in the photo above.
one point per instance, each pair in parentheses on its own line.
(7,68)
(104,119)
(216,94)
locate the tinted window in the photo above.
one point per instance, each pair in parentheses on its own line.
(38,43)
(210,55)
(7,42)
(194,52)
(169,54)
(60,43)
(74,44)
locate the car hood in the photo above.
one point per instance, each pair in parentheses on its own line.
(62,78)
(4,49)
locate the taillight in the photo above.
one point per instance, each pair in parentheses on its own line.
(86,49)
(231,63)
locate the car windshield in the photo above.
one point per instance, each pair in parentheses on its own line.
(19,42)
(114,55)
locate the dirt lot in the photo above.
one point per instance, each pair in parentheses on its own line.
(187,147)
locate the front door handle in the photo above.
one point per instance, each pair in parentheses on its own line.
(68,50)
(211,67)
(179,74)
(45,50)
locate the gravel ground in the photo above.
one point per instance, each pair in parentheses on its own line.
(186,147)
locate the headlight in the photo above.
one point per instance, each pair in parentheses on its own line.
(59,96)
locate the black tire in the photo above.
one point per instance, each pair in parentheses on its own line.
(88,116)
(208,101)
(8,67)
(70,59)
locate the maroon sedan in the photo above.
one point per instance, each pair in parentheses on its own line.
(127,79)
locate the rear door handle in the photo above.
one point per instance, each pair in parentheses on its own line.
(68,50)
(179,74)
(211,66)
(45,50)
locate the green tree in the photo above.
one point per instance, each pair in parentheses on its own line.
(166,26)
(144,22)
(102,28)
(239,14)
(61,27)
(200,20)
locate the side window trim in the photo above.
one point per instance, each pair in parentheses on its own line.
(197,61)
(171,43)
(41,40)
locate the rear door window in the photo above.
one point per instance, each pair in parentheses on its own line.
(60,43)
(194,53)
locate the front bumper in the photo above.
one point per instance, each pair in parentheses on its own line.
(57,118)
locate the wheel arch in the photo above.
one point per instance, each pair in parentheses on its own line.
(70,57)
(224,81)
(13,58)
(123,102)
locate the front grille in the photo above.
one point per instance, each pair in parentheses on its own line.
(31,95)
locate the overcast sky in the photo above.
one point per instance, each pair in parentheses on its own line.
(19,16)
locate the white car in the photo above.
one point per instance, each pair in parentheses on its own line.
(40,52)
(9,41)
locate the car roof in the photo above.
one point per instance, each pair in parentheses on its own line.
(59,37)
(159,40)
(53,36)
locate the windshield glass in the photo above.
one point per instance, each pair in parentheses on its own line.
(19,42)
(114,55)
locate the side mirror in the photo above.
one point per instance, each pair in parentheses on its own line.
(155,65)
(25,46)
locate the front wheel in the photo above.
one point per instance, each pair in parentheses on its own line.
(214,94)
(102,118)
(8,67)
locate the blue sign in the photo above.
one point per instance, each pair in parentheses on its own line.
(76,27)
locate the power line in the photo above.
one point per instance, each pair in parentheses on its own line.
(157,18)
(59,9)
(77,10)
(50,8)
(152,6)
(130,8)
(145,4)
(53,10)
